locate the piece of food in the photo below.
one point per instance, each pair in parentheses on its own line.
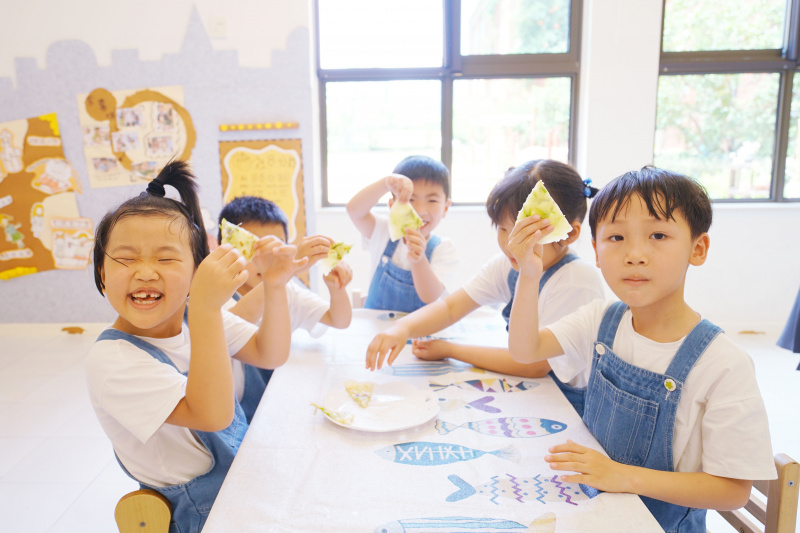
(335,254)
(359,391)
(337,416)
(402,217)
(539,202)
(240,238)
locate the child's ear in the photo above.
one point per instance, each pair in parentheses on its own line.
(596,257)
(446,207)
(700,250)
(573,235)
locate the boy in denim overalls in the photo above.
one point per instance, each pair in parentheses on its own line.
(674,403)
(411,272)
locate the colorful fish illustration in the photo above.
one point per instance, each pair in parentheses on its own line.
(541,488)
(489,385)
(513,427)
(435,453)
(429,368)
(482,404)
(464,524)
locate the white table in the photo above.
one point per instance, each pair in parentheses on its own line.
(297,471)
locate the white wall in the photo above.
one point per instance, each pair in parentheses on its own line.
(753,271)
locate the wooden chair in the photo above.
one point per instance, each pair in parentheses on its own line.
(143,511)
(778,512)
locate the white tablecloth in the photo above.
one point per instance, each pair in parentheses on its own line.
(297,471)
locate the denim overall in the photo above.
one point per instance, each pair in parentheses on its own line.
(255,383)
(392,287)
(631,411)
(191,501)
(575,395)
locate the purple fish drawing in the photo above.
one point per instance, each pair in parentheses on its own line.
(435,453)
(539,488)
(515,427)
(481,404)
(489,385)
(545,523)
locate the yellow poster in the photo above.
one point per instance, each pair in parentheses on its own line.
(41,227)
(128,136)
(268,169)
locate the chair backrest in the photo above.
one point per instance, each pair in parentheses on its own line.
(357,301)
(778,514)
(143,511)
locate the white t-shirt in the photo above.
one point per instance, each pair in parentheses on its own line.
(721,424)
(444,258)
(573,285)
(133,394)
(306,308)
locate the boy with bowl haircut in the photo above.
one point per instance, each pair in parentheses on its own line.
(672,400)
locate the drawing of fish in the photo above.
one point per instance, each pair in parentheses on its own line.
(435,453)
(429,368)
(462,524)
(541,488)
(482,404)
(489,385)
(513,427)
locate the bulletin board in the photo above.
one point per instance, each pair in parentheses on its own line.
(269,169)
(128,136)
(42,229)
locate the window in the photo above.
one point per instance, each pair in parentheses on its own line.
(726,111)
(482,85)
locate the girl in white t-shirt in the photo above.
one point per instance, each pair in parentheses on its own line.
(569,284)
(163,390)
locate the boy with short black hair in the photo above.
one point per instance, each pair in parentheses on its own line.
(414,271)
(672,400)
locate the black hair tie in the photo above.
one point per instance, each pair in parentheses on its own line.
(156,188)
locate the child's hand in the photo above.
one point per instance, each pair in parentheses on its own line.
(594,468)
(431,350)
(400,186)
(315,247)
(416,244)
(339,277)
(390,343)
(523,243)
(218,276)
(275,261)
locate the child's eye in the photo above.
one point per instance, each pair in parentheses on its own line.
(166,260)
(615,238)
(658,236)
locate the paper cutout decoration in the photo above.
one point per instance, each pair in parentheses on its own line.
(41,227)
(267,169)
(128,136)
(260,126)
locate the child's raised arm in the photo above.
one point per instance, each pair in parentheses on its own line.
(208,404)
(340,312)
(526,343)
(276,263)
(364,200)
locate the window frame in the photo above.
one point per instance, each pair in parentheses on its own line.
(784,62)
(455,66)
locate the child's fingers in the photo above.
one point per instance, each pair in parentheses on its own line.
(569,446)
(395,352)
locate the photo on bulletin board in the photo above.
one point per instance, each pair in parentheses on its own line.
(268,169)
(42,228)
(128,136)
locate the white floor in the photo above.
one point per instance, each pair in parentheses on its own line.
(57,469)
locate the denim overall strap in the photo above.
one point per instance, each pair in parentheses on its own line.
(513,276)
(191,501)
(392,288)
(631,411)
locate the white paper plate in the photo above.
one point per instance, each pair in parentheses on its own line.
(393,407)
